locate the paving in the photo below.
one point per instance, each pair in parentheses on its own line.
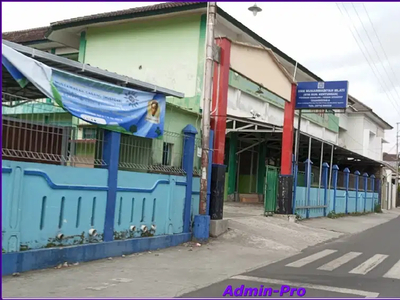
(366,264)
(253,242)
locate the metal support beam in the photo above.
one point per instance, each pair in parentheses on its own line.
(249,147)
(255,130)
(320,171)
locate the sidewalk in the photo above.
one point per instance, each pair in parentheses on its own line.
(252,241)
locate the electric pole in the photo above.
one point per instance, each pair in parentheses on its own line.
(208,80)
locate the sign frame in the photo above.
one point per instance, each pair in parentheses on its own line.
(322,95)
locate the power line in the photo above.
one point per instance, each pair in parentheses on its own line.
(380,43)
(366,58)
(376,52)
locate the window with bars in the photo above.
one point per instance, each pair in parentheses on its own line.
(89,133)
(167,154)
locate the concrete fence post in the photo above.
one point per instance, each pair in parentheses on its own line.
(325,172)
(365,177)
(373,191)
(308,164)
(379,189)
(335,173)
(346,172)
(111,146)
(356,186)
(189,133)
(295,178)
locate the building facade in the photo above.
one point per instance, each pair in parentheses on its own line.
(164,44)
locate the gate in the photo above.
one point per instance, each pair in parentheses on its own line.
(271,188)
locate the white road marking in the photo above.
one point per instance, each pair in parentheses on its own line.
(308,286)
(369,264)
(394,272)
(336,263)
(122,280)
(309,259)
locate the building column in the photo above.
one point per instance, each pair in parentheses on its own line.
(220,100)
(285,194)
(288,133)
(262,152)
(232,164)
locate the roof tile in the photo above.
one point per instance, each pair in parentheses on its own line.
(28,35)
(125,12)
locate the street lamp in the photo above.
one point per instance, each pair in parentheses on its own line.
(255,9)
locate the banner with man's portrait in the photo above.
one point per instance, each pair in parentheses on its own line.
(109,106)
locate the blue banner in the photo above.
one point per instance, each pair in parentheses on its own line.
(109,106)
(112,107)
(322,95)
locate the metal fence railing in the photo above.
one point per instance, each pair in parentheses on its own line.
(41,131)
(197,157)
(341,181)
(162,155)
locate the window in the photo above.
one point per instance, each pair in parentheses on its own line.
(167,154)
(89,133)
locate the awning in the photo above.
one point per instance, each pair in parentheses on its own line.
(249,125)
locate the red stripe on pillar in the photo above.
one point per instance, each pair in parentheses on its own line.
(287,135)
(220,99)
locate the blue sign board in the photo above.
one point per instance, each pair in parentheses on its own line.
(322,95)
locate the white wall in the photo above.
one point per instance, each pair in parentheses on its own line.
(257,64)
(361,135)
(240,104)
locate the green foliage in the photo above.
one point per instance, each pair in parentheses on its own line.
(378,208)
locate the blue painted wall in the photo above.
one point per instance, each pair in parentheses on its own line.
(195,197)
(41,201)
(318,208)
(159,201)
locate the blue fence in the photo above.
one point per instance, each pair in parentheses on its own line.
(312,202)
(48,207)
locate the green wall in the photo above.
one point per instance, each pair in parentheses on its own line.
(329,121)
(168,52)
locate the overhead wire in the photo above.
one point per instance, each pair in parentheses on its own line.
(376,52)
(366,58)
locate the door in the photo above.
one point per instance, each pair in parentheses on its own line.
(271,188)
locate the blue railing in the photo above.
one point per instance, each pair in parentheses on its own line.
(312,202)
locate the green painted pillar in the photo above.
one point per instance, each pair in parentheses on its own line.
(262,150)
(232,163)
(82,47)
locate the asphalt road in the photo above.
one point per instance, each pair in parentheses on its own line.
(363,265)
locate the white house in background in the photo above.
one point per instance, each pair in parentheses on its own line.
(389,181)
(362,131)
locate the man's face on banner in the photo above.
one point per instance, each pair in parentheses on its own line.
(154,108)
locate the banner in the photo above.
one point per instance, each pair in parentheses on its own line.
(109,106)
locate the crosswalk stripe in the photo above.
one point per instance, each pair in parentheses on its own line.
(369,264)
(394,272)
(309,259)
(336,263)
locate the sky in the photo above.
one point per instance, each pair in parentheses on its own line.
(358,42)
